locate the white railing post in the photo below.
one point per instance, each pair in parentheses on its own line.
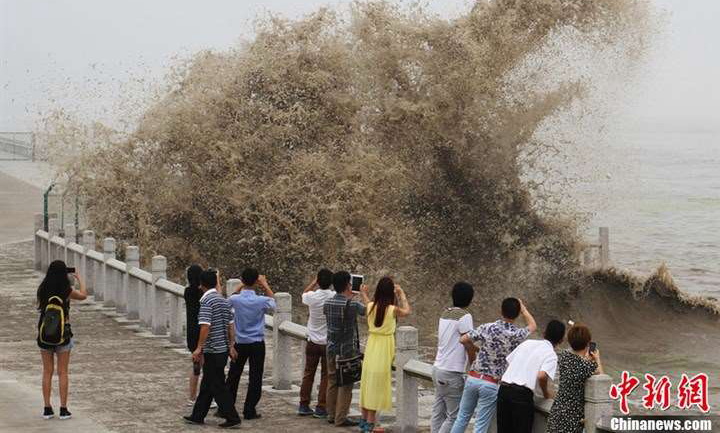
(88,265)
(604,247)
(176,315)
(232,285)
(158,298)
(597,400)
(282,344)
(37,243)
(108,277)
(132,260)
(406,348)
(144,304)
(69,238)
(52,231)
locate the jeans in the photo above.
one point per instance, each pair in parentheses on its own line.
(516,409)
(479,396)
(213,386)
(255,352)
(448,391)
(338,397)
(314,355)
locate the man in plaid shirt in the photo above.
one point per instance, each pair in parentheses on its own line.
(341,312)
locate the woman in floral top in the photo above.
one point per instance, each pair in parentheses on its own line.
(567,414)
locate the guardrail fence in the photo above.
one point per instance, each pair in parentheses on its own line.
(17,145)
(158,304)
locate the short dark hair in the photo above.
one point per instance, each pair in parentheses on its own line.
(249,276)
(341,280)
(208,279)
(462,294)
(579,336)
(555,332)
(324,278)
(510,308)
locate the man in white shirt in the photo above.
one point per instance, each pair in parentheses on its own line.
(533,363)
(452,358)
(314,296)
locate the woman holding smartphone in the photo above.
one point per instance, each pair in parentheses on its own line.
(575,366)
(389,303)
(57,288)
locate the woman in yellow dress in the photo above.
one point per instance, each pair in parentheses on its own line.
(376,380)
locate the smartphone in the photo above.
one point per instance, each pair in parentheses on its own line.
(70,270)
(356,281)
(593,346)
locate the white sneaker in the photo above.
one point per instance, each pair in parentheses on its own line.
(213,405)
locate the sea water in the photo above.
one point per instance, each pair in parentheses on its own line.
(665,206)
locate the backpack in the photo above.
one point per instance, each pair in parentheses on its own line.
(52,326)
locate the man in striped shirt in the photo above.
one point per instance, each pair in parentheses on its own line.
(217,333)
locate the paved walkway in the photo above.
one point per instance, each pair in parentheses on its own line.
(20,406)
(121,379)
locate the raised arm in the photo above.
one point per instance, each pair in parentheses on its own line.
(312,286)
(403,308)
(81,294)
(529,319)
(595,356)
(364,294)
(266,287)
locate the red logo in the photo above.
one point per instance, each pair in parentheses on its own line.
(692,391)
(622,390)
(656,392)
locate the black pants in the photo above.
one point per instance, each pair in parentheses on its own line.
(515,409)
(213,386)
(255,352)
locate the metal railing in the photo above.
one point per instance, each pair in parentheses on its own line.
(19,145)
(158,305)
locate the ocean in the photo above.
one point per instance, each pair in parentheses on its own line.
(663,205)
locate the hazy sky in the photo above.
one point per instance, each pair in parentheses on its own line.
(77,51)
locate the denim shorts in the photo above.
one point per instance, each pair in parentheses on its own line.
(60,349)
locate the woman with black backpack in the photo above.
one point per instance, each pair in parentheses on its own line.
(54,332)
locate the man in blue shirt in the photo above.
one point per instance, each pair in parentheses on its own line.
(250,309)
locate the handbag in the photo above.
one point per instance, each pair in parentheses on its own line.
(349,370)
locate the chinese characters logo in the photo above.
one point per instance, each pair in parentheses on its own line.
(692,391)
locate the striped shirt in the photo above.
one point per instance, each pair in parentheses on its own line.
(215,311)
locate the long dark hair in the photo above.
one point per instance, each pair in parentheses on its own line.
(193,276)
(55,283)
(384,296)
